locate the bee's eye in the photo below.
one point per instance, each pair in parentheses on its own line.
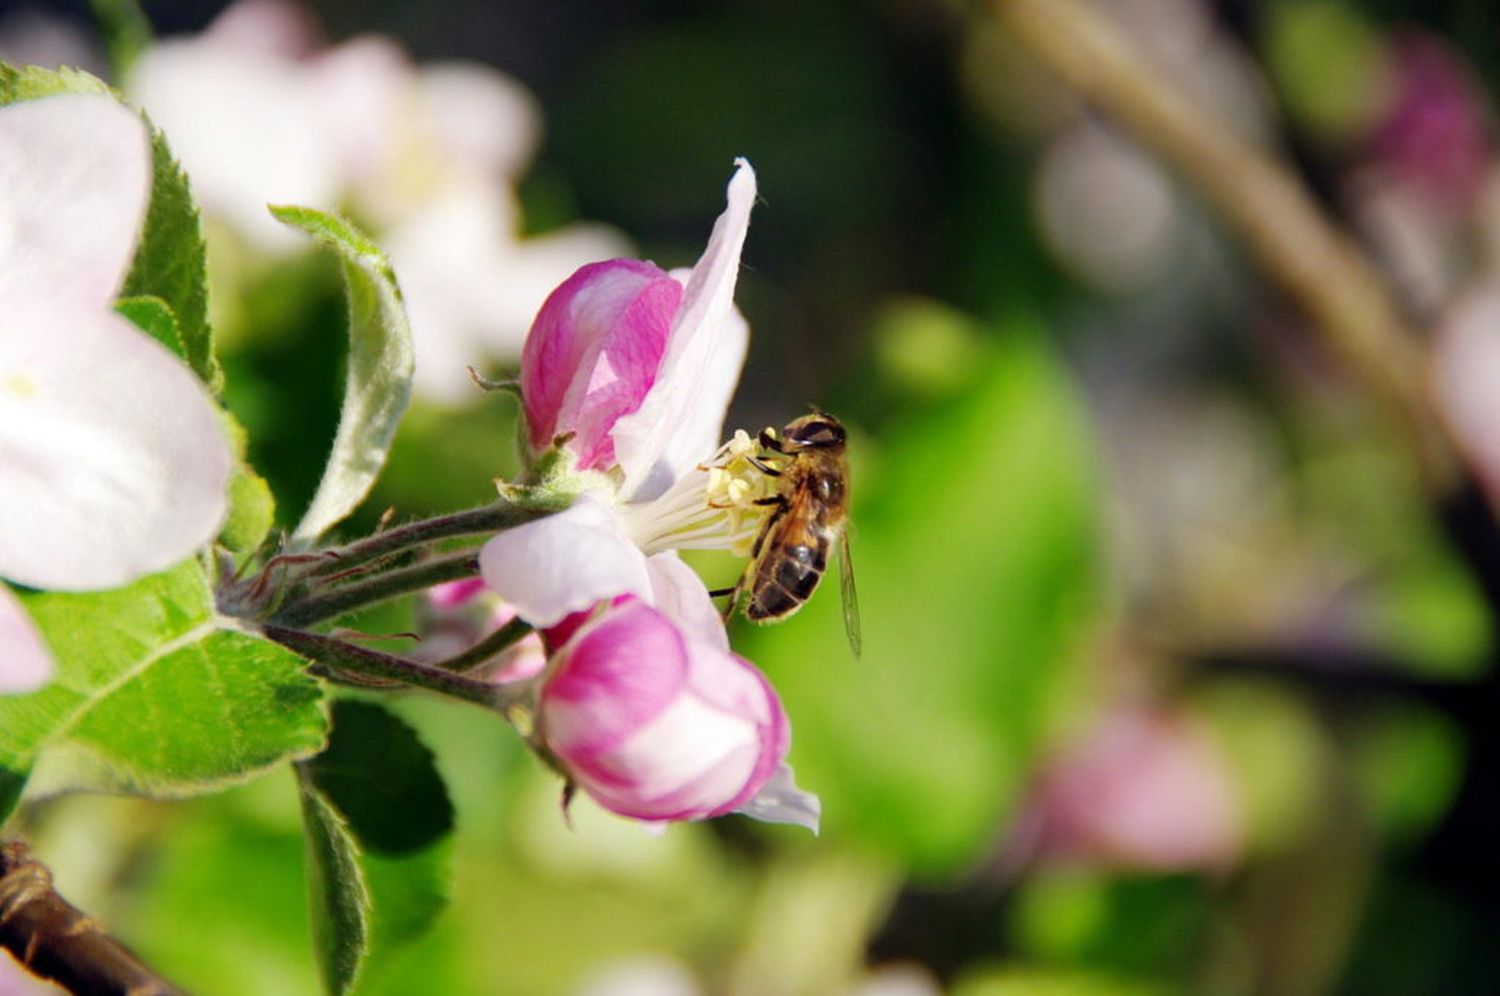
(816,432)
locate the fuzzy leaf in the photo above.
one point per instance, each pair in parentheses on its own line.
(380,780)
(338,897)
(171,262)
(154,317)
(154,695)
(31,82)
(380,369)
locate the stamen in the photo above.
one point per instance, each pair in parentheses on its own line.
(711,507)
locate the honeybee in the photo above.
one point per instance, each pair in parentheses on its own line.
(809,513)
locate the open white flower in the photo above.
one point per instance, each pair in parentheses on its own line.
(112,465)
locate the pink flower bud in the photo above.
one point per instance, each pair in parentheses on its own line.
(593,353)
(658,724)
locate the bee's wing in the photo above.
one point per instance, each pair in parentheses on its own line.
(849,595)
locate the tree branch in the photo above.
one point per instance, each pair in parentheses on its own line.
(56,941)
(1269,208)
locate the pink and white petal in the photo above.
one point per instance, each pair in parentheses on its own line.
(110,450)
(564,563)
(25,663)
(360,87)
(781,801)
(594,352)
(271,28)
(248,130)
(616,676)
(654,445)
(680,595)
(75,174)
(1465,372)
(478,120)
(530,268)
(686,764)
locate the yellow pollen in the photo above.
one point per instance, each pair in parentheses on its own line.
(18,385)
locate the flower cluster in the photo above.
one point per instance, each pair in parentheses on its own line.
(626,378)
(262,112)
(110,450)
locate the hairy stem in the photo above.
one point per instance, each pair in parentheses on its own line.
(1268,206)
(486,648)
(500,514)
(56,941)
(340,656)
(321,605)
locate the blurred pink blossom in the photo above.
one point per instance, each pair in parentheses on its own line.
(1145,789)
(1434,132)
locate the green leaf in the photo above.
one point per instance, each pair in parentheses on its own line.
(974,537)
(125,30)
(252,507)
(170,261)
(380,369)
(155,695)
(338,898)
(380,781)
(31,82)
(154,317)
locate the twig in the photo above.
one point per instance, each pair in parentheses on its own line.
(56,941)
(1272,211)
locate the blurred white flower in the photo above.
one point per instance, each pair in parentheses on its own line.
(261,112)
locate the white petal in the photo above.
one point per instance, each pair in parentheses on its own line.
(25,664)
(110,451)
(477,118)
(663,438)
(683,598)
(248,130)
(564,563)
(781,801)
(74,181)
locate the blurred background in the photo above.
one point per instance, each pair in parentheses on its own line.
(1178,673)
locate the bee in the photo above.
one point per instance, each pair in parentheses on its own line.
(808,518)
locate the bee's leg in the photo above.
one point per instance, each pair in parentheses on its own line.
(764,467)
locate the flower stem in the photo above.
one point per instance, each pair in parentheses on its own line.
(498,515)
(486,648)
(321,605)
(339,655)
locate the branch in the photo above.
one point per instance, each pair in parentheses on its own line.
(56,941)
(1271,210)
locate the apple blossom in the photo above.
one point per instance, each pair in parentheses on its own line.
(27,664)
(110,450)
(261,111)
(635,367)
(649,712)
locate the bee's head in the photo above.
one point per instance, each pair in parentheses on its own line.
(815,432)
